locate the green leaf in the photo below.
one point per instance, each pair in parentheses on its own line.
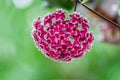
(84,1)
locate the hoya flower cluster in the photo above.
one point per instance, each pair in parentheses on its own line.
(60,38)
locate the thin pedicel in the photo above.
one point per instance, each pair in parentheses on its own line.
(76,2)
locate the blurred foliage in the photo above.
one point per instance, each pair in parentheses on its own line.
(95,2)
(68,4)
(20,59)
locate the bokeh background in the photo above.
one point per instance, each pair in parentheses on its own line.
(21,60)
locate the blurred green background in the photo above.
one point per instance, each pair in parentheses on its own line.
(21,60)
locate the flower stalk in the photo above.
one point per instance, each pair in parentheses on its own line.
(76,2)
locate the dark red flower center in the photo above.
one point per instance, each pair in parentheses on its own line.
(61,37)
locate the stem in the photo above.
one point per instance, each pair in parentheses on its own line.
(101,16)
(76,1)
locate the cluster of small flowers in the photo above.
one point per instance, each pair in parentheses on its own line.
(62,39)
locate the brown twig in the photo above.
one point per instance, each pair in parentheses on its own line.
(100,15)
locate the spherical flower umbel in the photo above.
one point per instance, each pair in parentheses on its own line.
(62,39)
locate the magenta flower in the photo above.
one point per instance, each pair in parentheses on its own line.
(62,39)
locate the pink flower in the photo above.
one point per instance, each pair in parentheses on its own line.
(62,39)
